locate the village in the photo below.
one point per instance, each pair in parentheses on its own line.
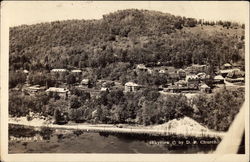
(190,82)
(192,79)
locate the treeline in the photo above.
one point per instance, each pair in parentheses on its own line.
(146,107)
(129,36)
(218,111)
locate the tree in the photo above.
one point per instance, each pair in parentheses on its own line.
(16,78)
(74,102)
(70,79)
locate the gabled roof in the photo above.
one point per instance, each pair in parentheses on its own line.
(227,65)
(141,66)
(229,70)
(131,84)
(55,89)
(204,86)
(219,77)
(76,71)
(162,71)
(59,70)
(181,70)
(192,76)
(85,81)
(104,89)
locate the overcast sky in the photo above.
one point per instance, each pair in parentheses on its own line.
(33,12)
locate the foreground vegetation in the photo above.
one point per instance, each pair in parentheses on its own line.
(145,107)
(81,142)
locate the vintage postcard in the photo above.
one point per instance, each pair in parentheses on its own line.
(124,81)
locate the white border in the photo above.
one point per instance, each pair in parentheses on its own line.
(103,157)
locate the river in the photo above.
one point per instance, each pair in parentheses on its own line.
(68,141)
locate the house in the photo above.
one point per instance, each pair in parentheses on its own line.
(225,72)
(141,67)
(195,68)
(170,69)
(162,71)
(205,88)
(85,83)
(59,70)
(150,71)
(235,76)
(181,83)
(181,73)
(77,71)
(202,76)
(104,89)
(62,92)
(173,76)
(34,89)
(26,71)
(131,87)
(179,89)
(218,79)
(227,66)
(108,84)
(173,89)
(192,78)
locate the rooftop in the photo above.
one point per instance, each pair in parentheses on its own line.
(59,70)
(131,84)
(204,86)
(227,65)
(76,71)
(85,81)
(219,77)
(55,89)
(141,66)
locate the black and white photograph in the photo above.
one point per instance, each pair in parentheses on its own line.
(126,77)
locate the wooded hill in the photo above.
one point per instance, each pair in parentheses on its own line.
(130,36)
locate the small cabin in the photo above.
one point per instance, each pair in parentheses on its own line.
(34,89)
(26,71)
(235,76)
(59,70)
(105,89)
(85,83)
(205,88)
(192,78)
(131,87)
(227,66)
(162,71)
(195,68)
(62,92)
(141,67)
(77,71)
(218,79)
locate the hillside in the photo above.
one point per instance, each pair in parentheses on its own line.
(128,36)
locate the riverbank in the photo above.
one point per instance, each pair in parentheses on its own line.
(185,127)
(28,139)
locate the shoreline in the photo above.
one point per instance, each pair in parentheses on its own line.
(107,128)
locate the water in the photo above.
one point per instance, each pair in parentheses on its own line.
(63,141)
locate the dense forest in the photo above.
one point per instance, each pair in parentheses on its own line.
(129,36)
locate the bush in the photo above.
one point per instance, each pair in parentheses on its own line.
(46,132)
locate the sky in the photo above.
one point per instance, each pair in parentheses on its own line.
(32,12)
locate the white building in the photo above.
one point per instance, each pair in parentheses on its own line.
(62,92)
(131,87)
(59,70)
